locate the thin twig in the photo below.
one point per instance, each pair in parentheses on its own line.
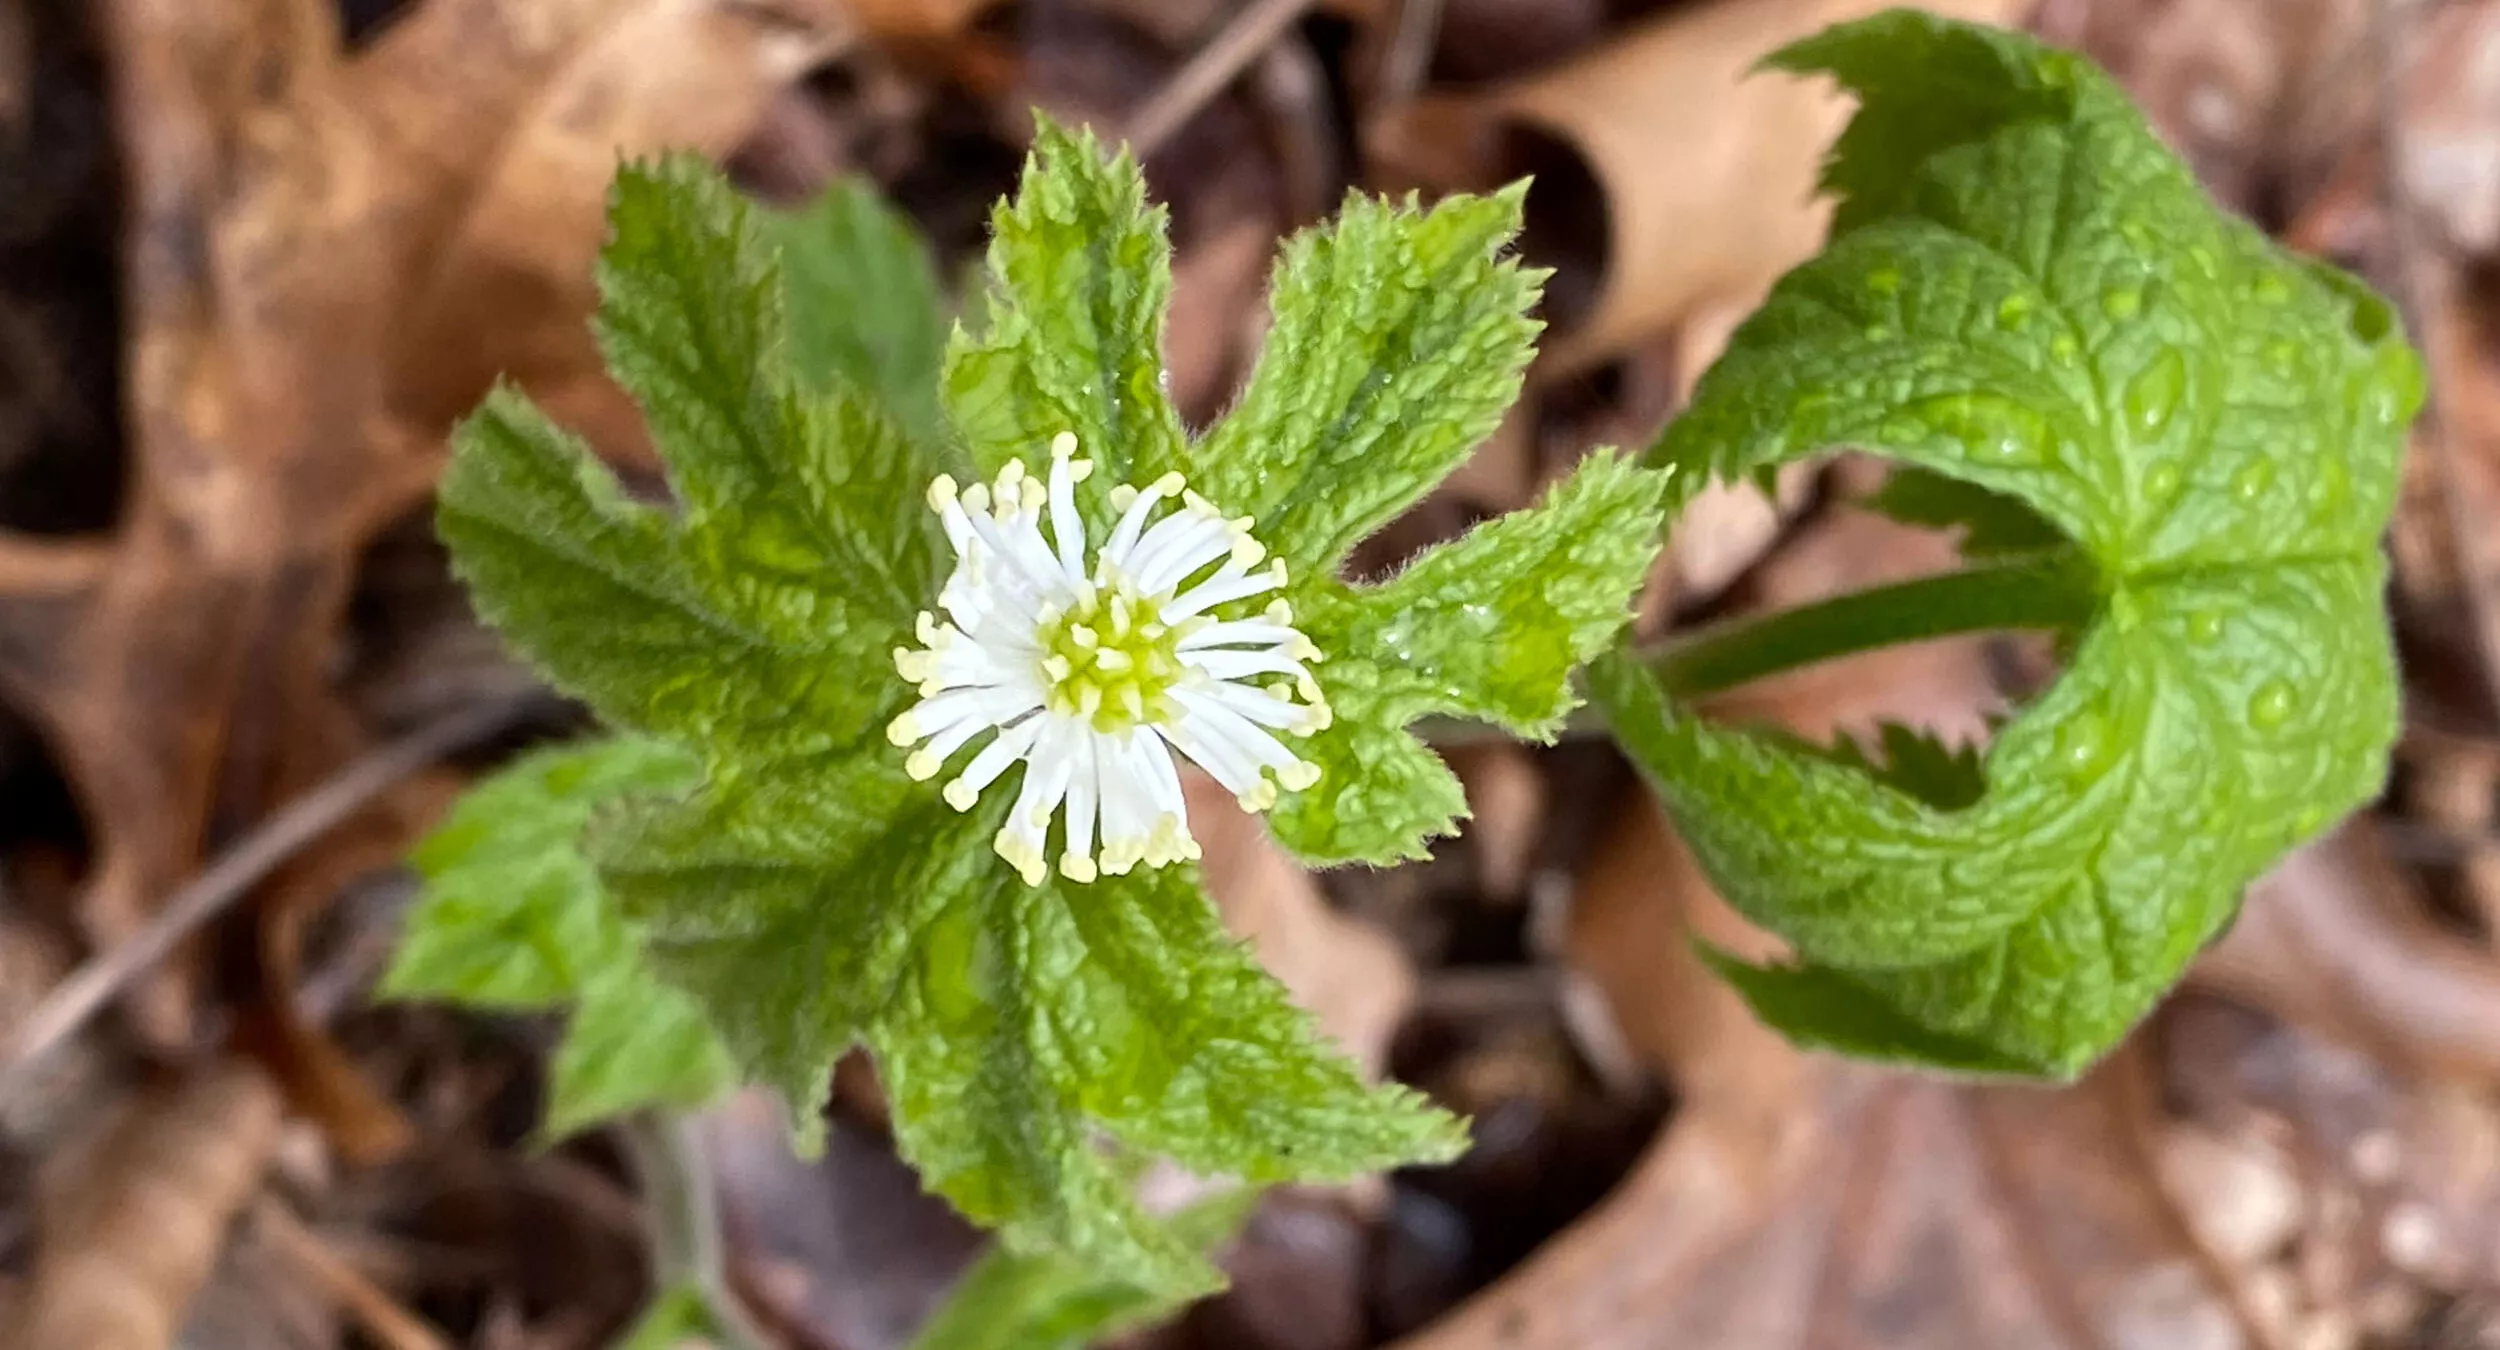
(682,1214)
(237,870)
(381,1316)
(1409,56)
(1215,66)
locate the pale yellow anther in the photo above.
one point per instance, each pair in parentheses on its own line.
(1279,612)
(1260,797)
(1021,855)
(926,628)
(1113,659)
(977,497)
(1170,483)
(1080,469)
(1307,687)
(1084,636)
(1077,867)
(922,765)
(1035,494)
(1058,667)
(1298,775)
(1063,445)
(903,730)
(1304,649)
(959,794)
(1123,497)
(1247,552)
(941,492)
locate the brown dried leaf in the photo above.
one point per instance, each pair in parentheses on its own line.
(299,217)
(131,1228)
(1352,976)
(1670,178)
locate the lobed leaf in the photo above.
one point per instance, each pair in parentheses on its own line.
(513,916)
(1399,340)
(808,895)
(1072,326)
(862,298)
(2027,293)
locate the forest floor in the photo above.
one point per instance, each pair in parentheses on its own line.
(256,256)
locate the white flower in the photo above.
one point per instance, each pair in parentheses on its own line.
(1092,671)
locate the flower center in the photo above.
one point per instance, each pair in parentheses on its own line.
(1108,659)
(1098,669)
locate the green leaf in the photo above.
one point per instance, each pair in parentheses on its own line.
(2027,293)
(1489,626)
(1157,1026)
(677,1318)
(809,894)
(1399,340)
(1072,335)
(1013,1300)
(798,546)
(513,916)
(1992,524)
(863,305)
(632,1042)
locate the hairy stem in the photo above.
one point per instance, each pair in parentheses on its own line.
(2035,591)
(683,1215)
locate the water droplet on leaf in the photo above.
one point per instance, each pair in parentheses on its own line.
(2153,395)
(1993,428)
(2083,743)
(2271,706)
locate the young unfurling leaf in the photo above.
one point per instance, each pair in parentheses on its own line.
(2027,294)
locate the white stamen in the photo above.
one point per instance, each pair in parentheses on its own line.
(1092,672)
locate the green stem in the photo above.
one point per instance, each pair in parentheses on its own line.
(2052,591)
(683,1216)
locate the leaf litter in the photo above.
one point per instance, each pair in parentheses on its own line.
(2297,1151)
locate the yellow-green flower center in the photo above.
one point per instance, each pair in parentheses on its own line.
(1107,658)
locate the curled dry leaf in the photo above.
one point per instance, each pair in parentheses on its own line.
(131,1227)
(297,215)
(1670,178)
